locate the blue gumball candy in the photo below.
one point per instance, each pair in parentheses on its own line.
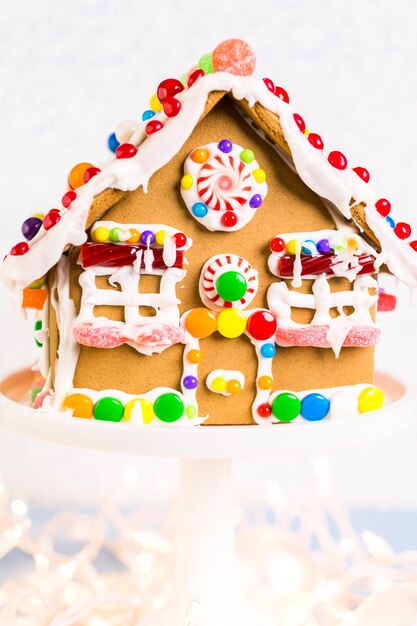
(268,350)
(199,209)
(314,407)
(112,142)
(147,115)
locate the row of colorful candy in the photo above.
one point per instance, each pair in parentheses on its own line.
(339,161)
(102,234)
(315,406)
(231,323)
(309,247)
(78,176)
(168,407)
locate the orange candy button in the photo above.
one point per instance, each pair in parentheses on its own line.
(135,236)
(233,386)
(81,405)
(265,382)
(200,323)
(194,356)
(200,155)
(76,175)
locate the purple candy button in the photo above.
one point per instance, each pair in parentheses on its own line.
(255,201)
(147,237)
(190,382)
(225,146)
(30,227)
(323,246)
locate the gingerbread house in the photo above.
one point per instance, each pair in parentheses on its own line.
(221,268)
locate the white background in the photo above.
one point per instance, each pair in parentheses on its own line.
(70,71)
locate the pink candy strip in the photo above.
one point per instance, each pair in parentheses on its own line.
(316,336)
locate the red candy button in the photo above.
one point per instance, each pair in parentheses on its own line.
(300,122)
(229,219)
(67,198)
(316,141)
(125,151)
(264,410)
(169,87)
(152,127)
(402,230)
(51,219)
(194,76)
(383,207)
(90,173)
(268,82)
(171,106)
(363,173)
(282,94)
(277,244)
(338,160)
(262,325)
(180,239)
(20,248)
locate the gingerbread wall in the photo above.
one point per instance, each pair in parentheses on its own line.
(289,206)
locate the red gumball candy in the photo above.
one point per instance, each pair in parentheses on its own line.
(264,410)
(20,248)
(90,173)
(262,325)
(125,151)
(172,106)
(268,82)
(383,206)
(413,244)
(169,87)
(152,127)
(67,199)
(277,244)
(337,160)
(402,230)
(180,239)
(363,173)
(316,141)
(51,219)
(300,122)
(282,94)
(194,76)
(229,219)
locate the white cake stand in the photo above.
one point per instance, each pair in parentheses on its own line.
(205,589)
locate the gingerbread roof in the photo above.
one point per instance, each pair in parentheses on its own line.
(156,140)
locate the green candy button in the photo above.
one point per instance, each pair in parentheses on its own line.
(247,155)
(169,407)
(231,286)
(108,409)
(286,407)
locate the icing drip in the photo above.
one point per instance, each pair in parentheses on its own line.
(68,349)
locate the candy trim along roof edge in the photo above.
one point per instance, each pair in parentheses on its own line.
(327,175)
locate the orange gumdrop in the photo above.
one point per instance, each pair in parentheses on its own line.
(34,298)
(234,56)
(79,404)
(200,323)
(76,175)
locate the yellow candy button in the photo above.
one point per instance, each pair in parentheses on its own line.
(293,246)
(200,323)
(187,181)
(79,404)
(259,175)
(160,237)
(231,323)
(145,408)
(154,103)
(101,234)
(370,399)
(218,384)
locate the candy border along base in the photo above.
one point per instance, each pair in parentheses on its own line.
(207,513)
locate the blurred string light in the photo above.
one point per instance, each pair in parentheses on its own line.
(306,567)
